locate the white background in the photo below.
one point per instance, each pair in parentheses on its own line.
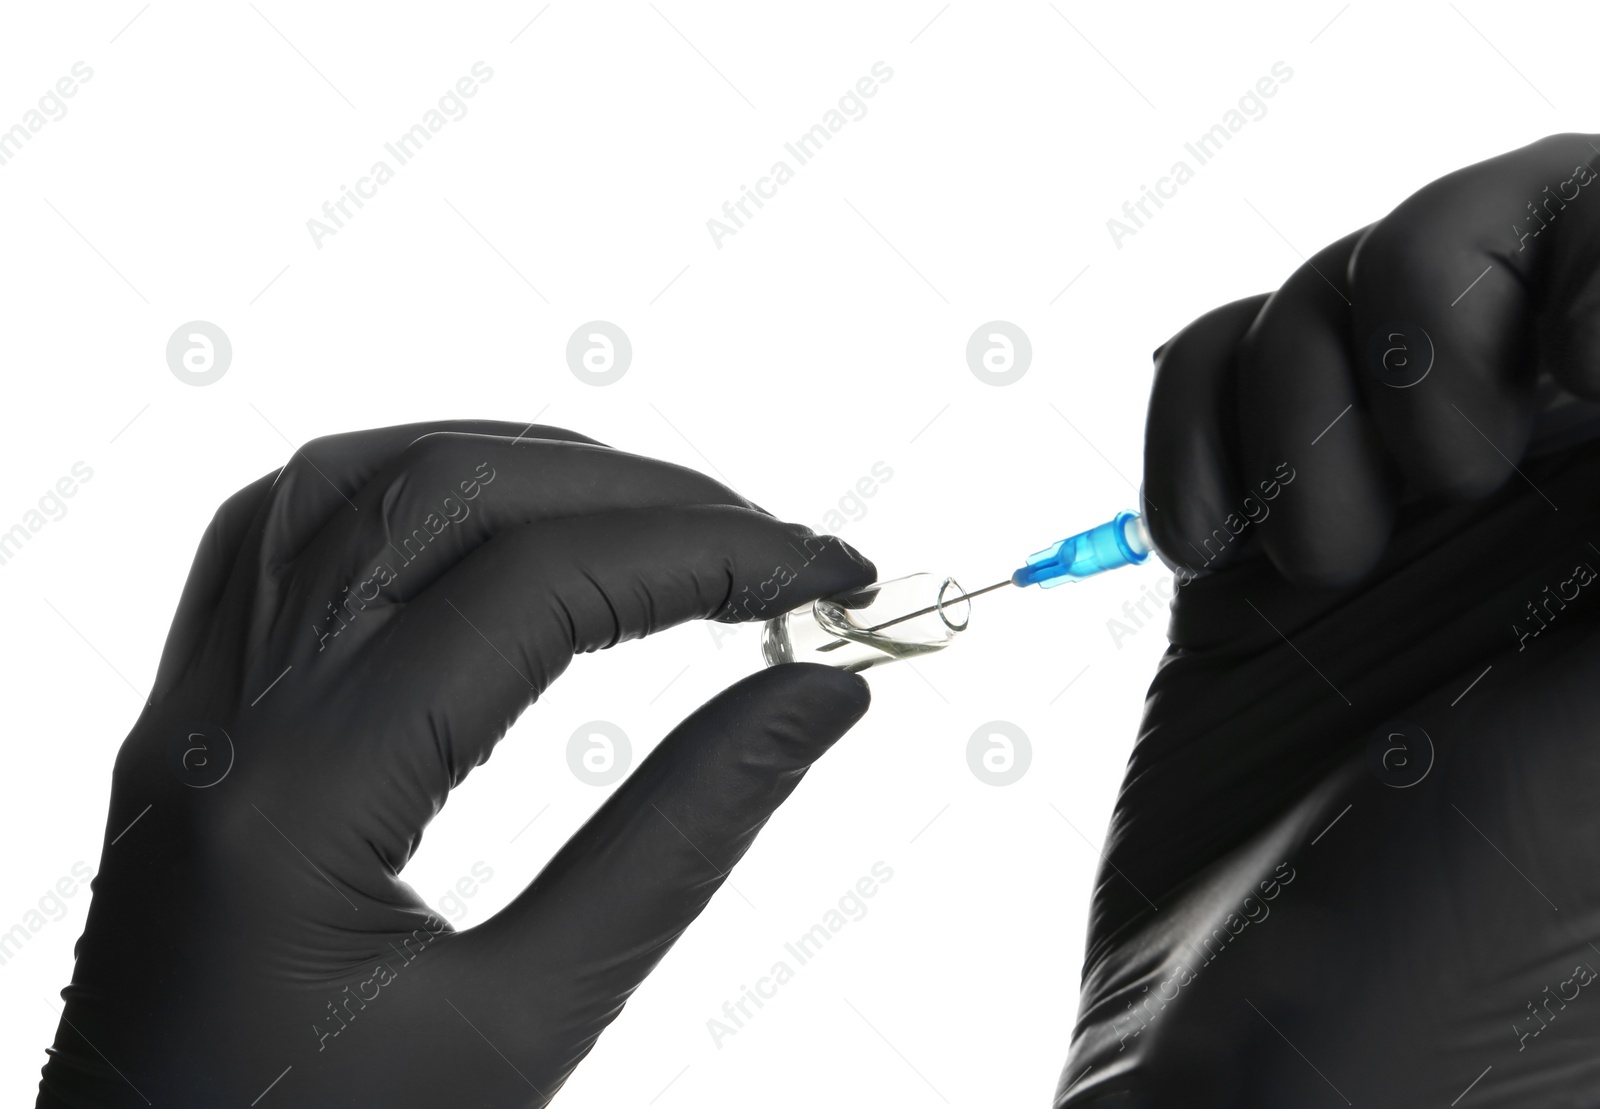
(827,335)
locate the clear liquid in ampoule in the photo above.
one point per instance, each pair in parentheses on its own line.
(890,620)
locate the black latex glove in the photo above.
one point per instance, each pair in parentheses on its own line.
(249,927)
(1354,856)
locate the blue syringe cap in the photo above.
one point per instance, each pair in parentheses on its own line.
(1122,541)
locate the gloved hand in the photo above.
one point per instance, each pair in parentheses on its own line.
(358,631)
(1411,359)
(1353,859)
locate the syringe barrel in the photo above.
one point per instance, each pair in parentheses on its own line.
(1122,541)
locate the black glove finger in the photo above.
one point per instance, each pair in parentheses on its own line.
(1192,483)
(448,673)
(544,592)
(322,479)
(1316,481)
(208,578)
(556,966)
(281,512)
(1446,288)
(1564,233)
(447,493)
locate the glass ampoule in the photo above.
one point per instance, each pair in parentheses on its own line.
(889,620)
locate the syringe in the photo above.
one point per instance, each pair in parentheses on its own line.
(1120,541)
(849,631)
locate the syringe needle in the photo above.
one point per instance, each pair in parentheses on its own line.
(940,605)
(837,643)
